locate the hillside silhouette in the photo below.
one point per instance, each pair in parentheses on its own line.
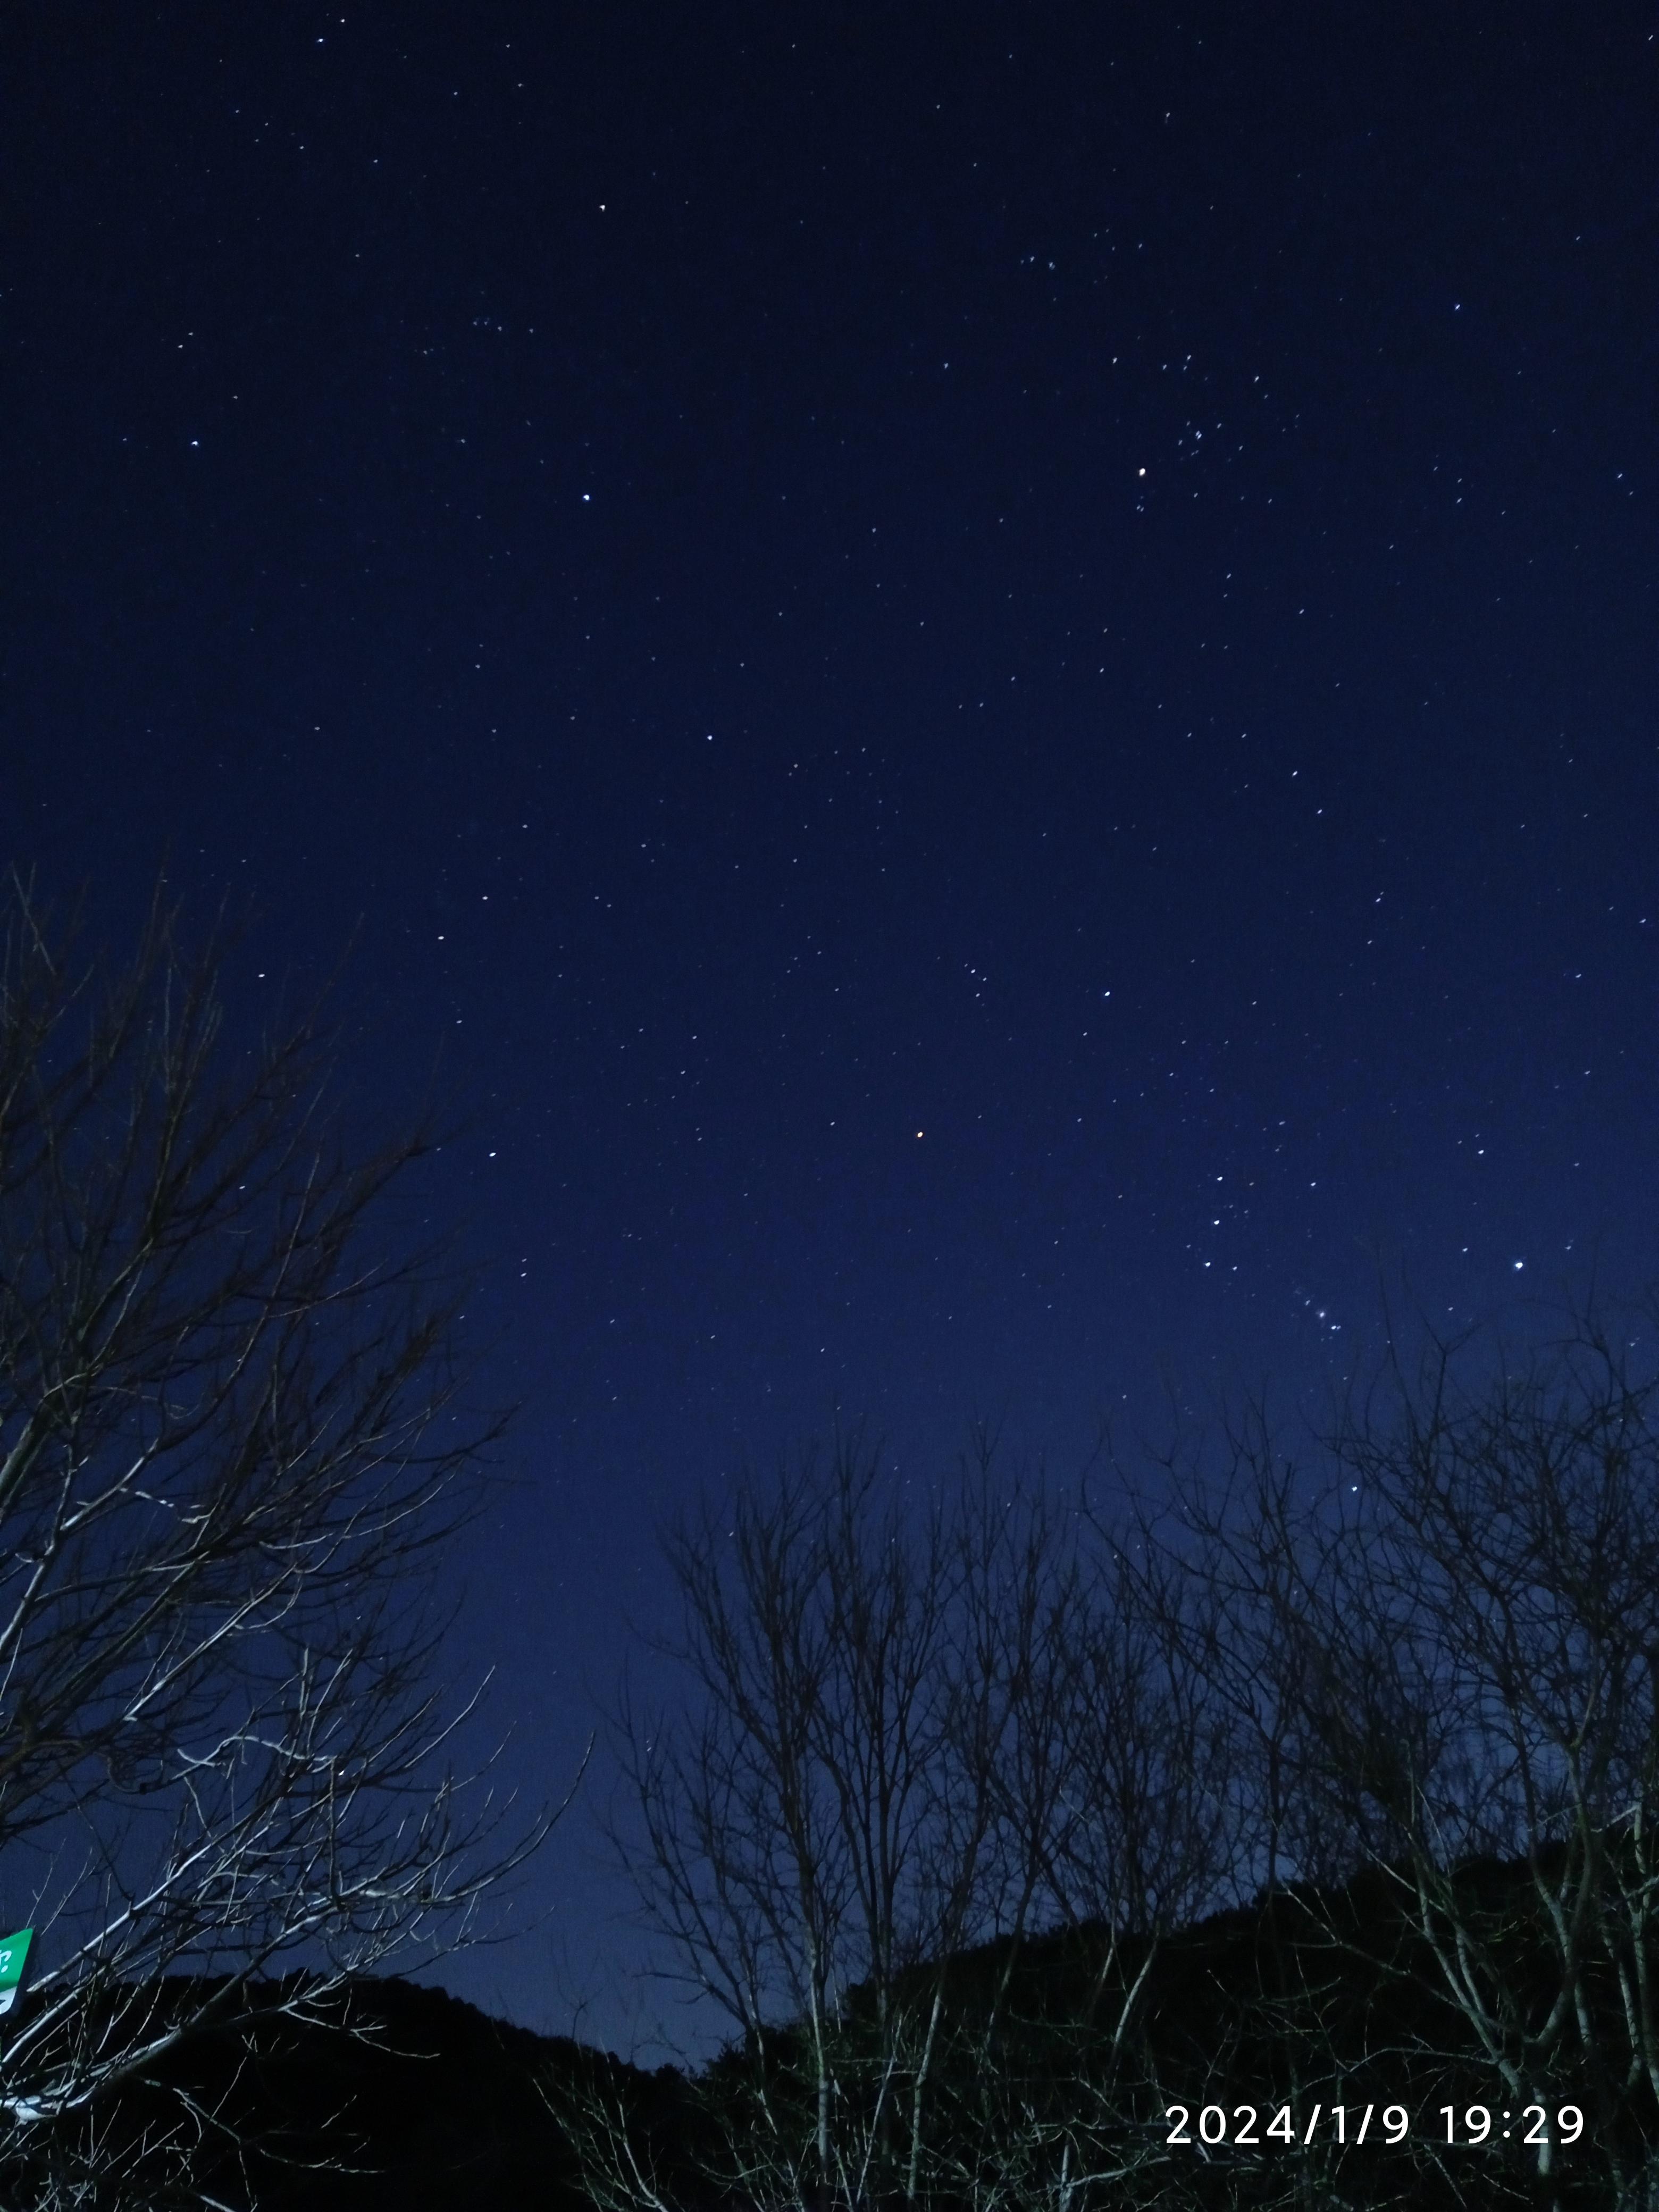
(410,2098)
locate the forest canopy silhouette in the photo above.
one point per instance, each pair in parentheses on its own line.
(1011,1836)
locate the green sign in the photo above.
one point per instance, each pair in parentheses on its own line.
(14,1956)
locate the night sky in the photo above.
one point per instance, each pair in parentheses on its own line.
(984,675)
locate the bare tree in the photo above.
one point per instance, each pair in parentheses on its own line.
(919,1737)
(1454,1638)
(794,1834)
(1113,1782)
(231,1452)
(1397,1709)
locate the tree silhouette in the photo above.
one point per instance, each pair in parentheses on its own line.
(231,1453)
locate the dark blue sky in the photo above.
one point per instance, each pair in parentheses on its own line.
(989,671)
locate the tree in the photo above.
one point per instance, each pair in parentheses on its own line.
(807,1832)
(232,1451)
(1456,1636)
(916,1737)
(995,1829)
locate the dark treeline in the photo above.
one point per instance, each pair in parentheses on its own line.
(406,2097)
(1030,1853)
(997,1827)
